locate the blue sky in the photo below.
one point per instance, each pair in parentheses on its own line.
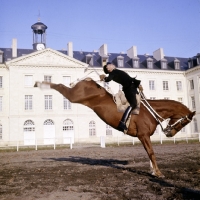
(148,24)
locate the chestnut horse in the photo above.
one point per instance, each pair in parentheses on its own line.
(91,94)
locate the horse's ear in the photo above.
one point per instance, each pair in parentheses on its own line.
(190,116)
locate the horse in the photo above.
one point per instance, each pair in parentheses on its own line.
(89,93)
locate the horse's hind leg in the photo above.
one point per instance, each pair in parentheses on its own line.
(59,87)
(149,149)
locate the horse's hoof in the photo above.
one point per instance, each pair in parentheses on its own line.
(37,84)
(160,175)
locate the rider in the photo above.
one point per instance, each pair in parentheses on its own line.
(129,86)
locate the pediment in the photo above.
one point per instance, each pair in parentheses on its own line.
(47,57)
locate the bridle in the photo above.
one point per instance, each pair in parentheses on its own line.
(160,120)
(169,127)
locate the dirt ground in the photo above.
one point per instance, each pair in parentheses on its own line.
(94,173)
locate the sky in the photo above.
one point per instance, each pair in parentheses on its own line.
(148,24)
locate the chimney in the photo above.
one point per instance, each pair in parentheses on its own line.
(14,47)
(70,49)
(103,50)
(132,52)
(158,54)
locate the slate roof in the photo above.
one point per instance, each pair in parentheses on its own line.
(112,57)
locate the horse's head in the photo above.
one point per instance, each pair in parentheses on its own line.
(176,124)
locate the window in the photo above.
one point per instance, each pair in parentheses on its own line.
(1,56)
(28,102)
(135,63)
(164,64)
(108,130)
(179,85)
(66,104)
(48,102)
(195,125)
(28,82)
(1,81)
(150,64)
(120,63)
(66,80)
(68,125)
(1,103)
(48,122)
(190,63)
(165,85)
(151,85)
(29,126)
(176,64)
(180,99)
(92,128)
(1,132)
(104,60)
(193,102)
(167,98)
(182,130)
(152,98)
(198,60)
(47,78)
(89,59)
(191,84)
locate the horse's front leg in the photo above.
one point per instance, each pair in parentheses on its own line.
(149,149)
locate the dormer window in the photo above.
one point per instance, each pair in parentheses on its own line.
(104,60)
(164,64)
(1,56)
(136,62)
(149,63)
(198,59)
(190,63)
(120,61)
(176,64)
(89,59)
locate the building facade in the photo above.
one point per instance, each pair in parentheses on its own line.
(29,115)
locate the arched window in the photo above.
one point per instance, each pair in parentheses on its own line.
(92,128)
(1,132)
(29,126)
(48,122)
(108,130)
(68,125)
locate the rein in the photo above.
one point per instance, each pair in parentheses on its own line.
(107,88)
(167,130)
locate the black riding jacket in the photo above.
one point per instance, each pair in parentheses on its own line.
(122,78)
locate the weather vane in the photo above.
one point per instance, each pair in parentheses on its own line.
(38,15)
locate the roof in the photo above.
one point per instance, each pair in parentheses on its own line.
(112,57)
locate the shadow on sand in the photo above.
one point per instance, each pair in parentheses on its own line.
(187,193)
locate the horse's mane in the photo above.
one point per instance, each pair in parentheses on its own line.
(98,86)
(168,101)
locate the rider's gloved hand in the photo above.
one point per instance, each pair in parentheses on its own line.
(140,88)
(102,76)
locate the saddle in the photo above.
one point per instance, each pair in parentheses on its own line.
(122,102)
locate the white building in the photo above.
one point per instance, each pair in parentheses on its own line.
(29,115)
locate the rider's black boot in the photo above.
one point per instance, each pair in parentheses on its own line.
(122,123)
